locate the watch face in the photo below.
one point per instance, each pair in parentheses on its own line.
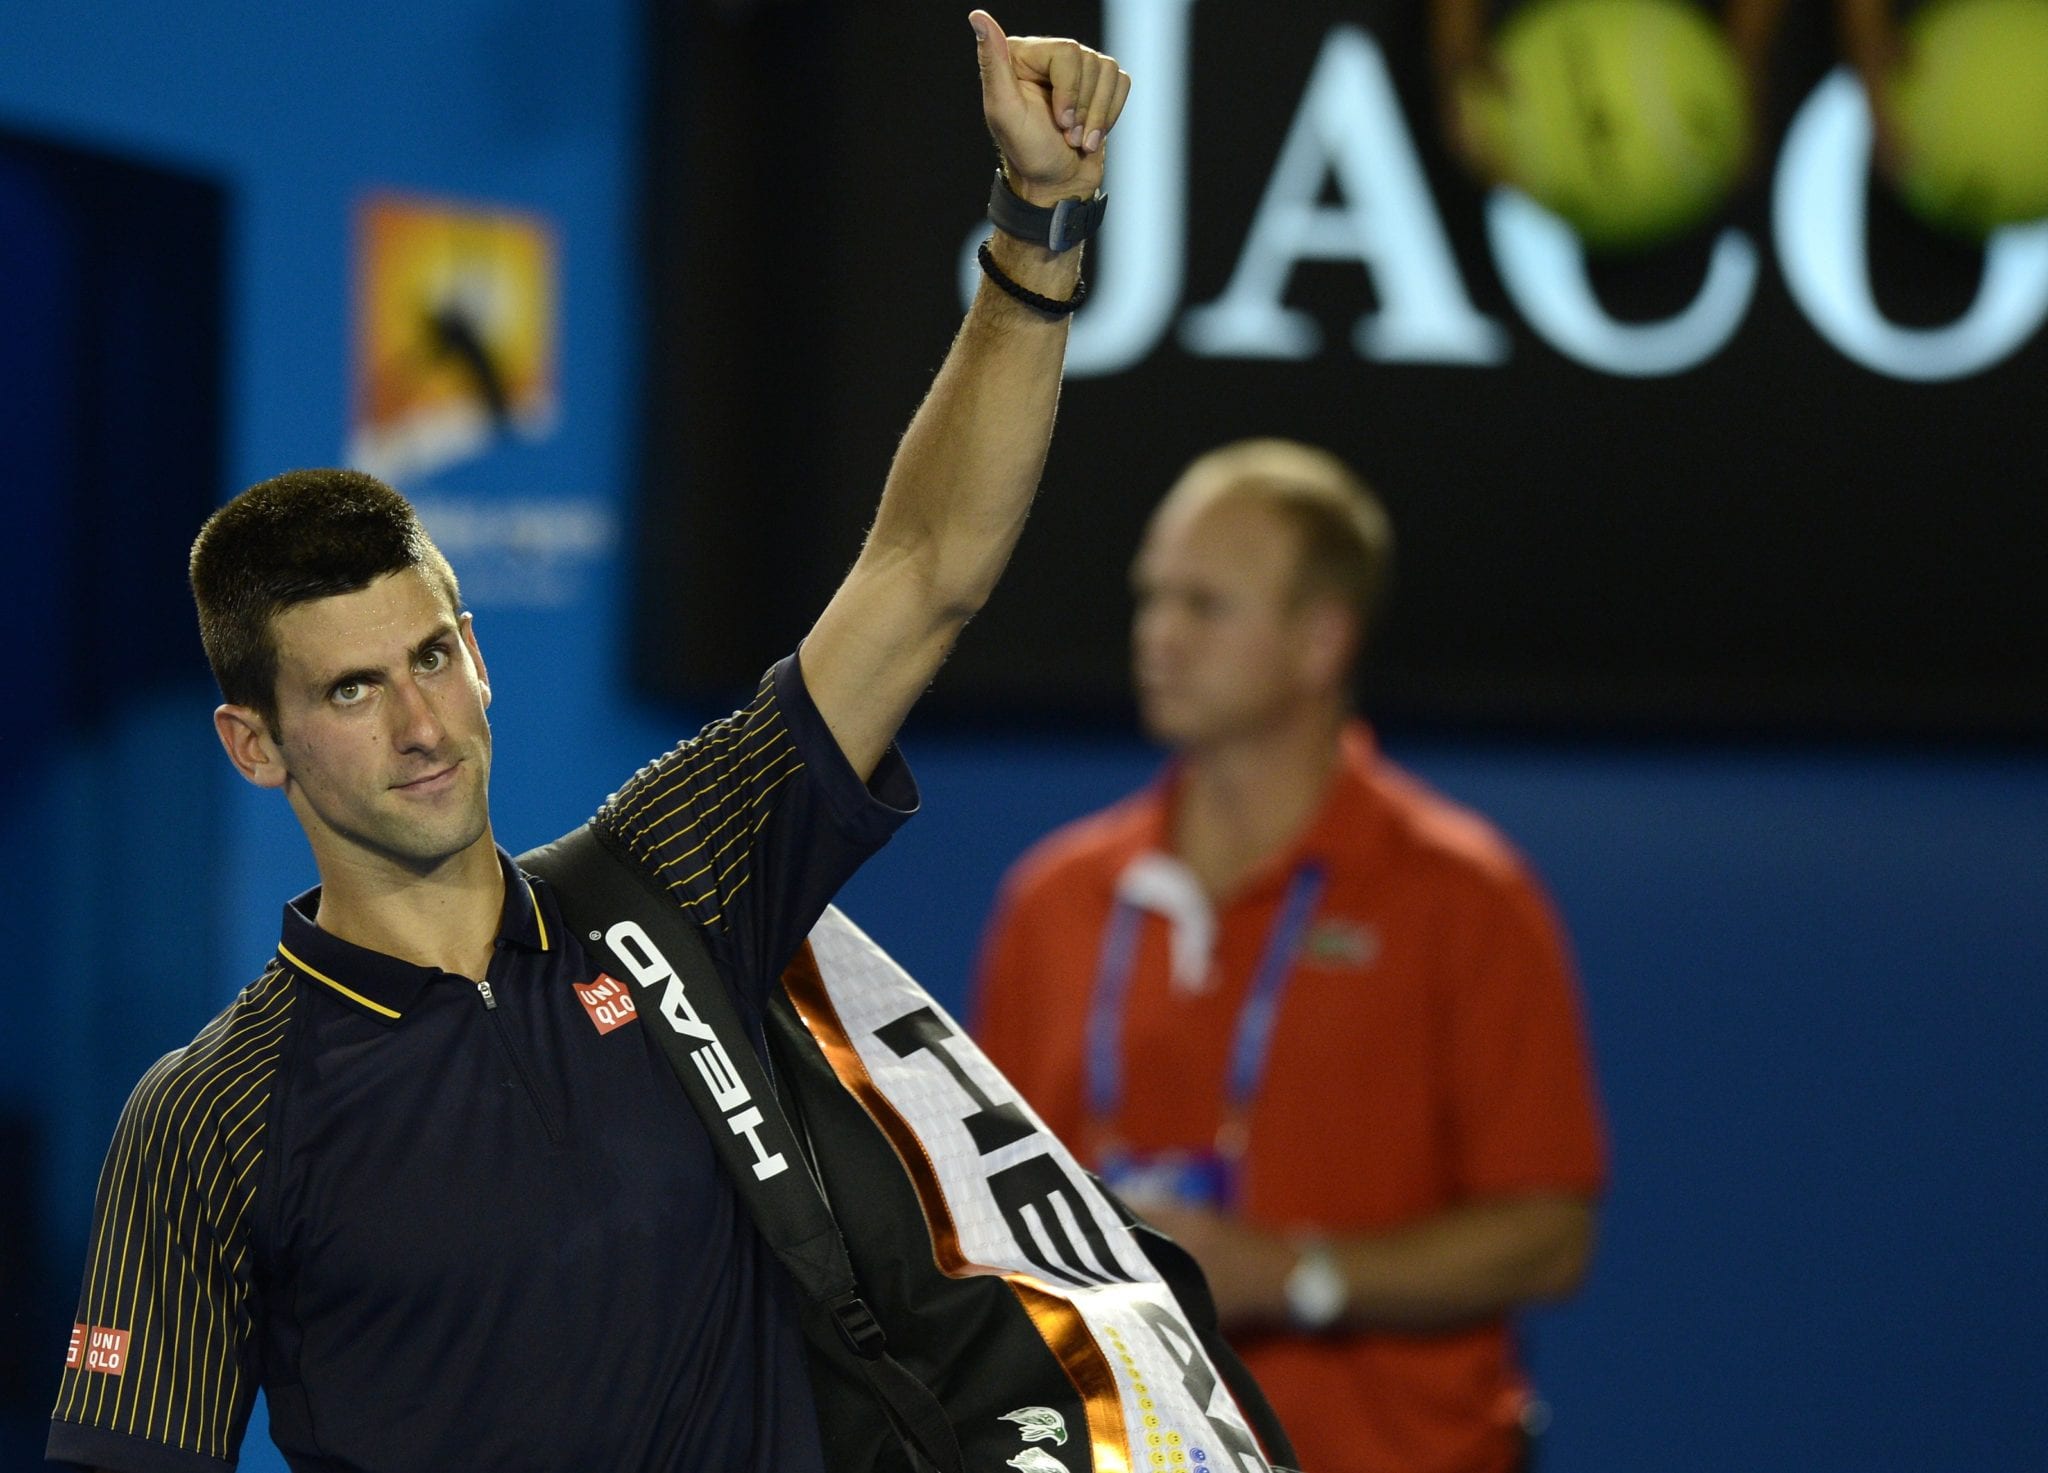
(1178,1178)
(1316,1290)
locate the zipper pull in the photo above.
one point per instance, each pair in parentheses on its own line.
(483,988)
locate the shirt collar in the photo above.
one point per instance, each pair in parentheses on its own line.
(1345,826)
(1345,822)
(385,986)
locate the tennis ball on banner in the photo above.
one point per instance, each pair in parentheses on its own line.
(1629,118)
(1970,103)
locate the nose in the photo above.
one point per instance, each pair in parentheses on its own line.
(416,725)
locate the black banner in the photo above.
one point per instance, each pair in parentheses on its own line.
(1781,475)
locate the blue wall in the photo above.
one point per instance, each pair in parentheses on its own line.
(1814,977)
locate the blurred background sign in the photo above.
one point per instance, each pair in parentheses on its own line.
(112,345)
(454,332)
(1770,476)
(1814,989)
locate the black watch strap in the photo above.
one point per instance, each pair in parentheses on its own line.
(1058,227)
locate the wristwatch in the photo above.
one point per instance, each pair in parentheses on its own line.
(1058,227)
(1316,1289)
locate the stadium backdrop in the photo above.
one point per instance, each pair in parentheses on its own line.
(1782,475)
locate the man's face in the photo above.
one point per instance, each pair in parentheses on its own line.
(381,696)
(1214,649)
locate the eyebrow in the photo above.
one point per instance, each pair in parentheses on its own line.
(439,634)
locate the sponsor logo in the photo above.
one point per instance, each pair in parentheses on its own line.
(728,1092)
(1235,1443)
(1039,1199)
(1349,128)
(97,1348)
(608,1001)
(1035,1188)
(1052,1229)
(1341,943)
(1039,1424)
(455,313)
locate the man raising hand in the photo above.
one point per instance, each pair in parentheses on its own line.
(412,1183)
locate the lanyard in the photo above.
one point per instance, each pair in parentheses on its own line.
(1254,1038)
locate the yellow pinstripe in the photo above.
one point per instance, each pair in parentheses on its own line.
(703,747)
(728,775)
(701,761)
(662,777)
(691,804)
(167,1245)
(709,830)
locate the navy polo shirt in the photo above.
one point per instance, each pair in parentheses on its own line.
(449,1223)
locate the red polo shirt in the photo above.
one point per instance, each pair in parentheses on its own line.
(1428,1051)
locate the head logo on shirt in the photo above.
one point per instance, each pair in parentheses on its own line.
(608,1001)
(98,1348)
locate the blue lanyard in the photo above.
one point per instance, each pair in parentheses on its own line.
(1253,1044)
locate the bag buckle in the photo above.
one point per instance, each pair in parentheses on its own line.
(859,1328)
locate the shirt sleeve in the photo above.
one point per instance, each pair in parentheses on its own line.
(753,824)
(1524,1114)
(162,1364)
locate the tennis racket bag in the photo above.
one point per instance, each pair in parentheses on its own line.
(973,1298)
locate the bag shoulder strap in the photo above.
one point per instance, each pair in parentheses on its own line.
(627,923)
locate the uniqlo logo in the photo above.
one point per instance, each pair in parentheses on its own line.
(608,1001)
(97,1348)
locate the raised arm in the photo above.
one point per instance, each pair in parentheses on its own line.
(964,474)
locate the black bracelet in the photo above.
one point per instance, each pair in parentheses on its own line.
(1050,306)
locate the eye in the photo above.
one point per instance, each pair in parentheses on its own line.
(348,692)
(434,657)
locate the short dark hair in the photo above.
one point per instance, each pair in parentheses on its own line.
(296,537)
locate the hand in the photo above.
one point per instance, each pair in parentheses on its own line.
(1049,105)
(1247,1269)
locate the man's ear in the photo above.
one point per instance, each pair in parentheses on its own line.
(483,676)
(246,738)
(1328,642)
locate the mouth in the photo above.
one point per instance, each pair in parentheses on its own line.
(432,783)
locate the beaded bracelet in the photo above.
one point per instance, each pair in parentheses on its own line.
(1050,306)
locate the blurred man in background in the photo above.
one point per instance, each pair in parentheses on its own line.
(1315,1020)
